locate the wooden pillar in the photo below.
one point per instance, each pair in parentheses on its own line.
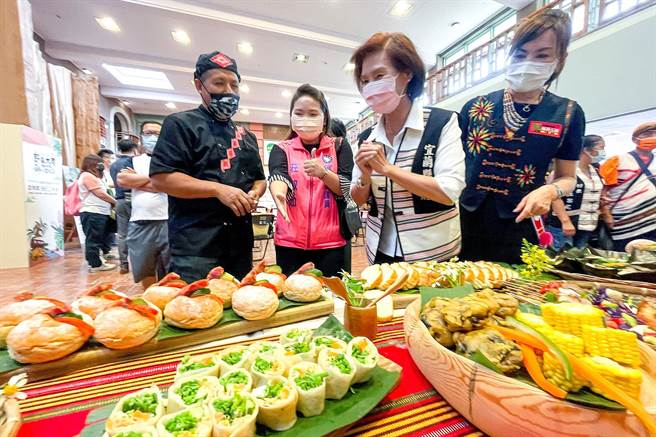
(13,105)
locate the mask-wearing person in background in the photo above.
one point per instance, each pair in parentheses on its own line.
(307,173)
(390,76)
(630,190)
(512,137)
(107,156)
(149,134)
(147,231)
(211,169)
(574,218)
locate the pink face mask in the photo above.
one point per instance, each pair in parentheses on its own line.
(381,95)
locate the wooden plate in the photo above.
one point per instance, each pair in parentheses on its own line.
(502,406)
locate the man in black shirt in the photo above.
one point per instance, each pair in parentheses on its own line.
(212,171)
(128,149)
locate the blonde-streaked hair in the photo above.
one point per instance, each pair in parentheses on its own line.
(535,25)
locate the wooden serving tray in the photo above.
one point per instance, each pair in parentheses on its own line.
(502,406)
(95,355)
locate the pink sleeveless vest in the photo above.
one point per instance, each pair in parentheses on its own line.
(313,214)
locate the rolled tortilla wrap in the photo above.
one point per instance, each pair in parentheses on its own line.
(277,401)
(192,391)
(142,408)
(236,381)
(233,358)
(190,422)
(326,342)
(234,415)
(266,367)
(309,380)
(202,365)
(365,355)
(294,353)
(341,370)
(295,335)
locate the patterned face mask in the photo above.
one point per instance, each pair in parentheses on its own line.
(222,105)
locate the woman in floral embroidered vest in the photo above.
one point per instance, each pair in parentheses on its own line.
(511,136)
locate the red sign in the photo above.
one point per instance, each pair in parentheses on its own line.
(545,128)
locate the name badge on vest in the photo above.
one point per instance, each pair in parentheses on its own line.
(546,129)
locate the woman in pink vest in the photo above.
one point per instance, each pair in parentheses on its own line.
(308,171)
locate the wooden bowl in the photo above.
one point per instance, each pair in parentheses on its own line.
(502,406)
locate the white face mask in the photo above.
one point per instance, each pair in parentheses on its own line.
(525,76)
(307,127)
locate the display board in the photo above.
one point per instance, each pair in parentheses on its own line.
(44,207)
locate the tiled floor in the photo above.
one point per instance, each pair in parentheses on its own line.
(64,278)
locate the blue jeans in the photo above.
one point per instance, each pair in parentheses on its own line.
(579,240)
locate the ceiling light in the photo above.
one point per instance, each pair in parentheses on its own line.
(181,36)
(278,114)
(300,58)
(87,71)
(401,8)
(286,94)
(139,77)
(245,48)
(245,111)
(108,23)
(170,105)
(244,88)
(349,67)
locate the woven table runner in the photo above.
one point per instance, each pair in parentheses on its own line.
(60,407)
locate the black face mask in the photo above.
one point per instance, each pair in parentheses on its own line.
(101,167)
(222,105)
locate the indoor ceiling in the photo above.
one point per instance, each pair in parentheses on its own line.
(326,31)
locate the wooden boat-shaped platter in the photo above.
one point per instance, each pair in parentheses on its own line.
(502,406)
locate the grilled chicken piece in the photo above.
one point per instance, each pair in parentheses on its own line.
(503,353)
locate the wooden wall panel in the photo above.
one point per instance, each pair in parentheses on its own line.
(86,96)
(13,106)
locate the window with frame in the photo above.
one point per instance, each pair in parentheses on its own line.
(612,9)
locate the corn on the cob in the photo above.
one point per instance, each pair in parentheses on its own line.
(530,319)
(553,371)
(571,317)
(618,345)
(626,378)
(567,342)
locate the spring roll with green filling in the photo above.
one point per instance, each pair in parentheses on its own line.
(294,353)
(201,365)
(234,415)
(296,335)
(262,347)
(265,367)
(144,407)
(136,431)
(341,370)
(277,403)
(365,355)
(232,358)
(190,422)
(309,380)
(326,342)
(236,381)
(192,391)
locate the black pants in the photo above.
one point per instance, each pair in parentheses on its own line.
(486,236)
(329,261)
(95,228)
(123,212)
(382,258)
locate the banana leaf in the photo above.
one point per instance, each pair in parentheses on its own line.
(337,414)
(427,293)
